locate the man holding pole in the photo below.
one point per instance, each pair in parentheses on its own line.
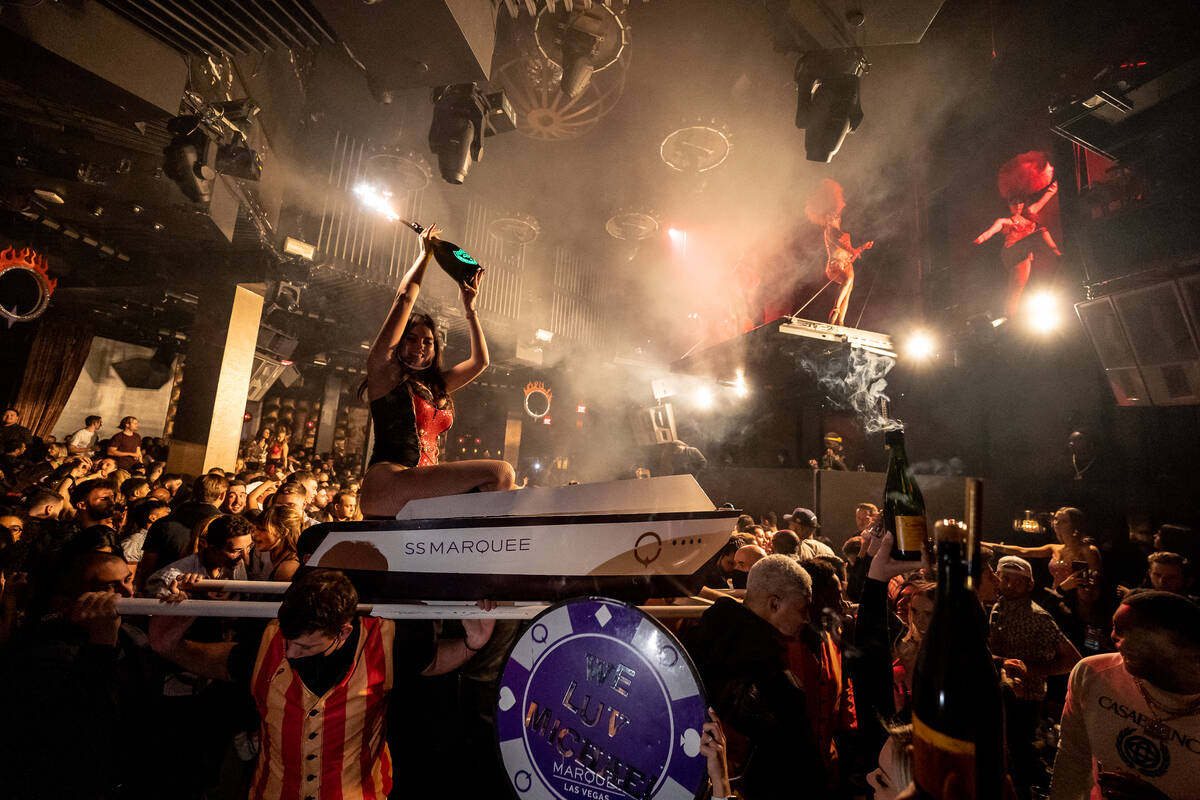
(320,677)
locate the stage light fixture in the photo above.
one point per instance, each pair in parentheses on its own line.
(739,384)
(190,157)
(587,41)
(239,160)
(287,297)
(581,40)
(462,116)
(829,105)
(50,196)
(296,247)
(920,346)
(1042,312)
(212,139)
(679,240)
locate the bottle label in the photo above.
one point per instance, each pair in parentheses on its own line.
(910,533)
(937,756)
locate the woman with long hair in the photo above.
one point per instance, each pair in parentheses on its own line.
(1072,555)
(260,449)
(824,207)
(409,393)
(275,537)
(1020,244)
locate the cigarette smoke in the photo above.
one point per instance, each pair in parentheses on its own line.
(857,383)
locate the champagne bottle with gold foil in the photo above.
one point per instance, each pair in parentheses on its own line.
(958,716)
(903,505)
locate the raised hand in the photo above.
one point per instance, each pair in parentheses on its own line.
(877,542)
(470,290)
(712,747)
(479,631)
(427,238)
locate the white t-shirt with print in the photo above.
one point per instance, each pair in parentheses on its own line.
(1104,728)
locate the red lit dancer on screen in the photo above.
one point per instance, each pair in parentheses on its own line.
(824,207)
(1027,175)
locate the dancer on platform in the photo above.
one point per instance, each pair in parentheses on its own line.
(824,207)
(1027,175)
(409,393)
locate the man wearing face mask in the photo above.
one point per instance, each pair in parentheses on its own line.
(320,677)
(745,558)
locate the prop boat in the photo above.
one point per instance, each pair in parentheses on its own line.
(628,540)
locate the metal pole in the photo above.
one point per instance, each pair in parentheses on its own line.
(139,606)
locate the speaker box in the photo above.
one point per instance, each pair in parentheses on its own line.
(416,44)
(654,425)
(1146,339)
(263,377)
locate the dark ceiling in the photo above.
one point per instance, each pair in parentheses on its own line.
(710,60)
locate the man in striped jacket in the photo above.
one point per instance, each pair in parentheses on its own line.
(320,677)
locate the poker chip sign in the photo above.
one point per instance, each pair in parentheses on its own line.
(599,701)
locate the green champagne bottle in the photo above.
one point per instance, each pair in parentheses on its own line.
(903,505)
(456,262)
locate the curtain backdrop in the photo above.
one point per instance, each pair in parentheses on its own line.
(56,358)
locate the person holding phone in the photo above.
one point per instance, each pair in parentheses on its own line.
(1070,556)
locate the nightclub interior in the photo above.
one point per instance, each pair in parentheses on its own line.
(736,239)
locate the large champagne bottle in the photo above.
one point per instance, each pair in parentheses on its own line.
(903,505)
(456,262)
(958,717)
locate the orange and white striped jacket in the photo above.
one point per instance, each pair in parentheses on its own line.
(331,747)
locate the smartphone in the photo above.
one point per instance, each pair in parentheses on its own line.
(1078,566)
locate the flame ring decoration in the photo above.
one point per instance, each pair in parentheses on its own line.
(33,264)
(537,387)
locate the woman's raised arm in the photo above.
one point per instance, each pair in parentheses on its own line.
(464,372)
(379,356)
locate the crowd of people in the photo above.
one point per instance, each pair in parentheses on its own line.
(1100,673)
(807,650)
